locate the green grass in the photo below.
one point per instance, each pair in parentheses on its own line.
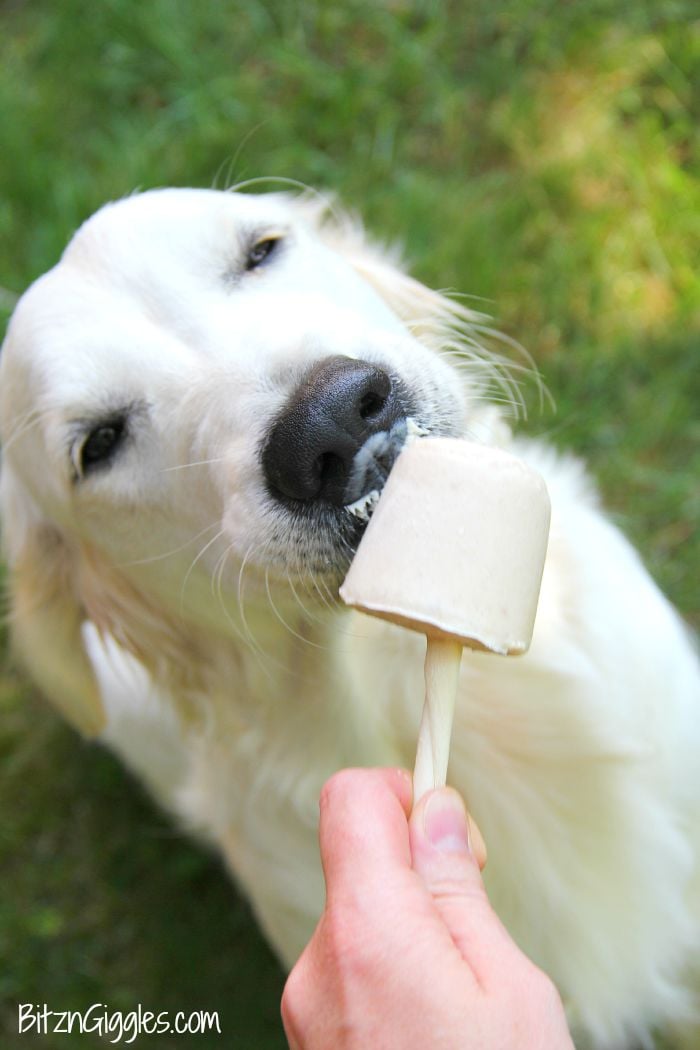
(542,157)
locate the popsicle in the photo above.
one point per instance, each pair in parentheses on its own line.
(455,549)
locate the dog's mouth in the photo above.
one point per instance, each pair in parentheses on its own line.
(372,465)
(321,539)
(327,456)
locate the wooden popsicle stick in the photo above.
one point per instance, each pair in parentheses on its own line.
(442,660)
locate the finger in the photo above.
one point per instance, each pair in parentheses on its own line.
(445,853)
(363,829)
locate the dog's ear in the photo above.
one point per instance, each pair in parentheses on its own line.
(46,614)
(174,653)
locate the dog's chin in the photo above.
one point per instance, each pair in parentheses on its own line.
(315,543)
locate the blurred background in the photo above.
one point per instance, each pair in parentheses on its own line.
(540,156)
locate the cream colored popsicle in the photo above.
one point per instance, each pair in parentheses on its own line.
(455,549)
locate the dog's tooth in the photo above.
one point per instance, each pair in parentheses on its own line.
(455,549)
(362,508)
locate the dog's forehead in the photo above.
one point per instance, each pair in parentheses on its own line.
(189,208)
(191,229)
(150,287)
(134,259)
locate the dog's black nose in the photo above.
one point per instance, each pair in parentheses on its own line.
(311,448)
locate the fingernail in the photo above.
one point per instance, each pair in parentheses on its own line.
(445,822)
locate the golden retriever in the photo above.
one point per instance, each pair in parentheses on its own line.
(193,405)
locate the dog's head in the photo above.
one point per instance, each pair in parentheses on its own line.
(211,379)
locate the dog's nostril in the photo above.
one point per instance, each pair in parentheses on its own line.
(371,405)
(331,470)
(310,450)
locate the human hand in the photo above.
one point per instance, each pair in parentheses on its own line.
(408,952)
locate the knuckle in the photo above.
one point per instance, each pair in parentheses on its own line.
(339,786)
(535,1005)
(544,989)
(294,1005)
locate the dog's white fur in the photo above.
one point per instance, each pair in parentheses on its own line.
(168,605)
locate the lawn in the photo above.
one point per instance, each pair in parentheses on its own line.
(541,157)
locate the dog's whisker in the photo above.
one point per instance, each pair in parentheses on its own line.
(194,463)
(527,365)
(29,420)
(309,579)
(193,563)
(170,553)
(227,167)
(240,597)
(324,201)
(218,592)
(265,660)
(242,631)
(326,598)
(333,593)
(311,615)
(217,572)
(285,624)
(498,372)
(458,332)
(323,597)
(28,416)
(486,399)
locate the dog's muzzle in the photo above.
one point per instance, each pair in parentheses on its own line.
(337,437)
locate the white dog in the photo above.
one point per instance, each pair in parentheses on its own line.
(183,404)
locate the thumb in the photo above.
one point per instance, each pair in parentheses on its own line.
(446,851)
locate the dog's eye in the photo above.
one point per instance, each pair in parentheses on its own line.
(261,251)
(101,444)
